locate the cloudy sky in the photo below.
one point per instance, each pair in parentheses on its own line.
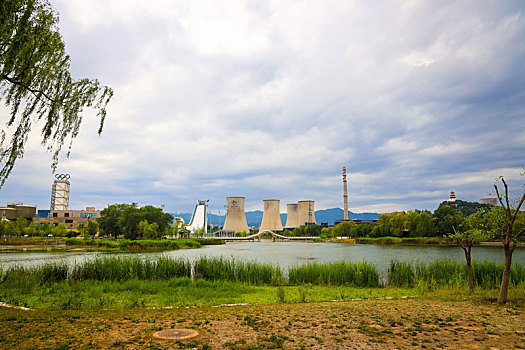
(269,99)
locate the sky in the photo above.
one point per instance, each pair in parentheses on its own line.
(270,99)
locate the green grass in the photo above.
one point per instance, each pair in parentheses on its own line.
(133,282)
(404,240)
(447,273)
(237,271)
(359,274)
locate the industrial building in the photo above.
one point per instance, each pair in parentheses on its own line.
(18,210)
(492,201)
(271,220)
(70,218)
(235,216)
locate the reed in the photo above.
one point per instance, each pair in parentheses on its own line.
(121,269)
(447,273)
(359,274)
(236,271)
(401,274)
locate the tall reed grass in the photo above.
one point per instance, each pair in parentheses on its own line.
(359,274)
(447,273)
(237,271)
(121,269)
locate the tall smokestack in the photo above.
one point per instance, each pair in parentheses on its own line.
(235,216)
(271,220)
(345,194)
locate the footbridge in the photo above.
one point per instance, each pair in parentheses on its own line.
(229,236)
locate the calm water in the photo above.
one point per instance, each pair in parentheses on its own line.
(285,254)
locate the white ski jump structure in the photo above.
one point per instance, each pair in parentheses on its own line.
(199,219)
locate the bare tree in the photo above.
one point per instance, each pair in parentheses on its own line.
(510,229)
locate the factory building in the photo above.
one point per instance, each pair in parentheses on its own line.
(235,216)
(70,218)
(271,220)
(492,201)
(14,211)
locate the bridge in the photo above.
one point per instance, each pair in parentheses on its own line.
(228,236)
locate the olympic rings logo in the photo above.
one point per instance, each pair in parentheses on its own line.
(62,176)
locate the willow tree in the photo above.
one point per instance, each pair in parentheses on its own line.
(36,85)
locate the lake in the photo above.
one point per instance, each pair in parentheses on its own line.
(284,254)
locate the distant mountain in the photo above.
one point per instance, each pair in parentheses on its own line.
(254,218)
(331,215)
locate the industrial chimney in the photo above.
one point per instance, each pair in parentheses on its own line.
(306,213)
(292,219)
(271,220)
(235,216)
(345,195)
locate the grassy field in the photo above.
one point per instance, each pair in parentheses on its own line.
(433,320)
(120,302)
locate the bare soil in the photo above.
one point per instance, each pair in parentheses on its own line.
(373,324)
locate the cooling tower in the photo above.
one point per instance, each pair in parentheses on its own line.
(306,215)
(235,217)
(292,219)
(271,220)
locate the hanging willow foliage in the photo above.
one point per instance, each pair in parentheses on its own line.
(36,85)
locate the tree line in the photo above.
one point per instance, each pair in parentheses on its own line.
(134,223)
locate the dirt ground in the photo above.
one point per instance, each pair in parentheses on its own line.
(377,324)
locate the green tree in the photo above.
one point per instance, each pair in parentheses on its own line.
(464,207)
(35,82)
(344,228)
(467,233)
(59,231)
(21,224)
(3,227)
(509,224)
(327,232)
(30,230)
(109,219)
(81,229)
(446,219)
(363,230)
(92,228)
(421,224)
(44,229)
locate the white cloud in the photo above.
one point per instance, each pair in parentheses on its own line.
(271,99)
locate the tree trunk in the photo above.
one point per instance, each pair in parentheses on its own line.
(469,269)
(506,274)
